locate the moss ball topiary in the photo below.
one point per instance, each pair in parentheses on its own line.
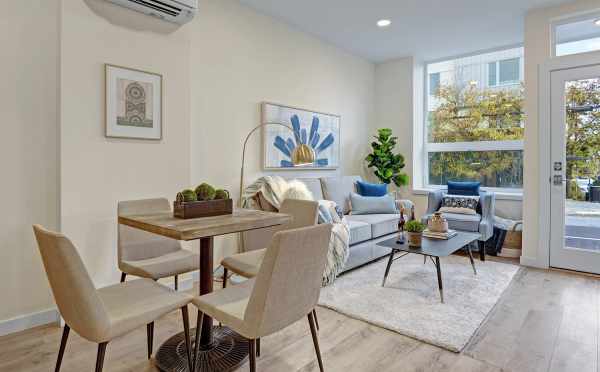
(205,192)
(221,194)
(189,195)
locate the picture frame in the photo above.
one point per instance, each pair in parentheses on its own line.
(133,103)
(318,131)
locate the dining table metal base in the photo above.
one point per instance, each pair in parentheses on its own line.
(227,352)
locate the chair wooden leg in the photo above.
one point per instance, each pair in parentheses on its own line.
(186,331)
(481,250)
(258,347)
(176,282)
(197,345)
(252,354)
(63,344)
(100,357)
(316,320)
(123,276)
(150,334)
(225,273)
(313,331)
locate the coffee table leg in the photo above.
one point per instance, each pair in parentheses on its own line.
(387,269)
(439,277)
(471,258)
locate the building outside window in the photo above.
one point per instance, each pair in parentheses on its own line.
(474,122)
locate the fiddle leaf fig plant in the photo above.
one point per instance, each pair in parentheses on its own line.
(388,165)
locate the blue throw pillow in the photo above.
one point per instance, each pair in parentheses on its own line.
(463,188)
(372,204)
(371,189)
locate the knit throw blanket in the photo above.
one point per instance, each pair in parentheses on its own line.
(273,189)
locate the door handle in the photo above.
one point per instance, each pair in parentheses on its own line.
(558,180)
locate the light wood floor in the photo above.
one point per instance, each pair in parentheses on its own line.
(545,321)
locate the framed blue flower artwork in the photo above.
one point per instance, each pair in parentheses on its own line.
(313,142)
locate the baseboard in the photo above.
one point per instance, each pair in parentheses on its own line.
(532,262)
(24,322)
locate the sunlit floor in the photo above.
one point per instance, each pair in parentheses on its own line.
(545,321)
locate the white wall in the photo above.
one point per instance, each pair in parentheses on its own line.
(240,58)
(538,48)
(28,150)
(394,108)
(96,171)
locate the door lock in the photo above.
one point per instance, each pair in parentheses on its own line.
(557,166)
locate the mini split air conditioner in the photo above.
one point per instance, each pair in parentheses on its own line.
(176,11)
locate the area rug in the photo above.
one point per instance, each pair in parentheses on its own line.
(410,303)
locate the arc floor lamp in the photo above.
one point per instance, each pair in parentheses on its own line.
(302,154)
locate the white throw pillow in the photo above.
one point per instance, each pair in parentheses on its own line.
(297,190)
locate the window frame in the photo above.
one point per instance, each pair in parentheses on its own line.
(427,147)
(566,20)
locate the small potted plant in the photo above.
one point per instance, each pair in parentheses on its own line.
(203,201)
(414,230)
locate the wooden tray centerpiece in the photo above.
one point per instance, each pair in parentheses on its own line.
(204,201)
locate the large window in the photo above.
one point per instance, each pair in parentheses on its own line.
(474,121)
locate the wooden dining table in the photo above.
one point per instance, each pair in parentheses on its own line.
(221,349)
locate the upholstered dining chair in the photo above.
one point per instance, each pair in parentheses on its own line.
(100,315)
(304,213)
(148,255)
(285,289)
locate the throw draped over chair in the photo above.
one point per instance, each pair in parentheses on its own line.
(148,255)
(285,289)
(100,315)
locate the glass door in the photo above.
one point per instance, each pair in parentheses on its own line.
(575,153)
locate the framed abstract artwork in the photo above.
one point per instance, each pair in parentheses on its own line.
(133,103)
(313,141)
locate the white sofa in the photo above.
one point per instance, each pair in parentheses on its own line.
(365,230)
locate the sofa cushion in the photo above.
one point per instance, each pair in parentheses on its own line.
(314,186)
(462,222)
(338,189)
(381,224)
(359,231)
(372,204)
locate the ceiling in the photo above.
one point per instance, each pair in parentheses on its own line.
(426,29)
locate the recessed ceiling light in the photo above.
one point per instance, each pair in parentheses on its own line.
(384,22)
(597,22)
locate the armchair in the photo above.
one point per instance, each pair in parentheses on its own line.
(482,222)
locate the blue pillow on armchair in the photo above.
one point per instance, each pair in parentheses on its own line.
(371,189)
(463,188)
